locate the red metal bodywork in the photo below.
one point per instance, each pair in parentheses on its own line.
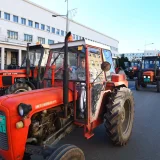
(149,73)
(17,137)
(18,73)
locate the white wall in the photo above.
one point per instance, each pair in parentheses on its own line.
(26,9)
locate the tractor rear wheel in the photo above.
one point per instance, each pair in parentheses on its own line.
(158,86)
(17,88)
(67,152)
(119,116)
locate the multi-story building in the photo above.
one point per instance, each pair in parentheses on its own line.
(22,21)
(132,56)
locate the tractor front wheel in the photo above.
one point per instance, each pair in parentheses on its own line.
(17,88)
(137,85)
(144,85)
(67,152)
(119,116)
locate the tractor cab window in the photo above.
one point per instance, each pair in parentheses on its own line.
(148,64)
(76,64)
(95,61)
(107,56)
(35,58)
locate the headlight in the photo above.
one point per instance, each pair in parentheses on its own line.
(149,77)
(24,109)
(144,76)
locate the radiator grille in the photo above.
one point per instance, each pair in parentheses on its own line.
(3,137)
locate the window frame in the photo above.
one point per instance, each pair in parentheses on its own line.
(6,15)
(10,36)
(23,20)
(14,16)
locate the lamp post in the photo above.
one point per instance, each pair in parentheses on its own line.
(147,45)
(67,16)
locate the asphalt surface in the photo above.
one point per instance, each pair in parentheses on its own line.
(144,142)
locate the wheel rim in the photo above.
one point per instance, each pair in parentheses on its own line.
(20,90)
(126,116)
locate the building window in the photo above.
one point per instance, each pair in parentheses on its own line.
(23,21)
(76,37)
(30,23)
(58,32)
(41,40)
(50,41)
(48,28)
(28,37)
(62,33)
(73,36)
(15,18)
(12,34)
(53,30)
(0,14)
(36,25)
(42,27)
(6,16)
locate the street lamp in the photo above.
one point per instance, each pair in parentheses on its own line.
(147,45)
(66,15)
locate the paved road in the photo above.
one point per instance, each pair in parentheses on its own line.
(144,143)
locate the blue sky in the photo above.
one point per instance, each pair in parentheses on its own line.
(132,22)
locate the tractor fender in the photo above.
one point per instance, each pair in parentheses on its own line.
(30,84)
(117,80)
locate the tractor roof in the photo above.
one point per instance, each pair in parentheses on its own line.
(80,43)
(39,46)
(150,57)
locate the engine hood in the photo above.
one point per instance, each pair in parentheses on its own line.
(40,99)
(12,71)
(148,73)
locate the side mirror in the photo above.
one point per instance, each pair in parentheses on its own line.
(105,66)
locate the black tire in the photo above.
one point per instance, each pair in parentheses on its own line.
(119,117)
(137,86)
(131,77)
(144,85)
(17,88)
(67,152)
(158,86)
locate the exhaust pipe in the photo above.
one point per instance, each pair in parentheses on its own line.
(27,62)
(65,76)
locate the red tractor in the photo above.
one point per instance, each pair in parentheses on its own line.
(149,74)
(30,74)
(41,117)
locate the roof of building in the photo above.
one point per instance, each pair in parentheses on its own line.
(32,3)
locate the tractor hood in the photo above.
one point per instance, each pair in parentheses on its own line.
(39,100)
(12,72)
(148,73)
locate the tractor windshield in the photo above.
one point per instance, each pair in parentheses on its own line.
(76,62)
(150,63)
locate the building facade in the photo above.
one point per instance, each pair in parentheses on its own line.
(133,56)
(23,21)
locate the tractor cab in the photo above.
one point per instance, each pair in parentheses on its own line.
(150,72)
(88,66)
